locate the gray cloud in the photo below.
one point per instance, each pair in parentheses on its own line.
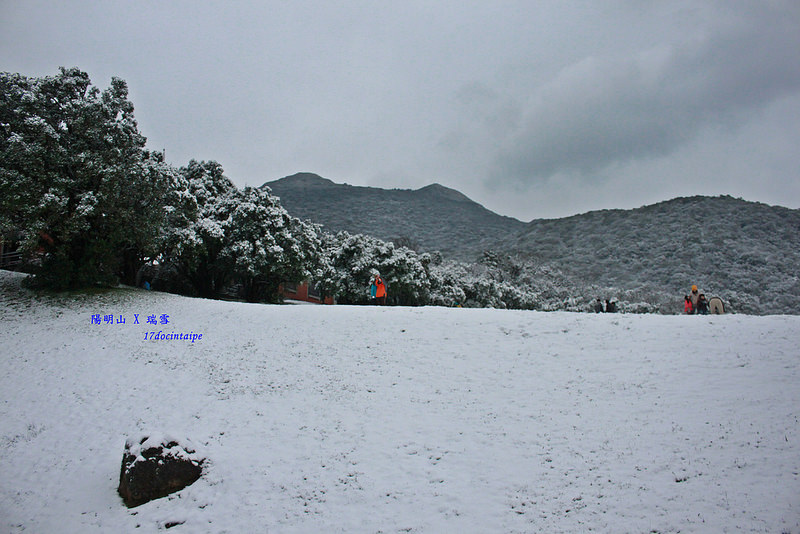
(615,109)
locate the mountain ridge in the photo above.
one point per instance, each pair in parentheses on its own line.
(434,217)
(744,251)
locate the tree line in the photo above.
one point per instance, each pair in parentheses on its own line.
(90,205)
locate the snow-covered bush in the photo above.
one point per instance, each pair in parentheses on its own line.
(224,236)
(352,260)
(265,246)
(446,284)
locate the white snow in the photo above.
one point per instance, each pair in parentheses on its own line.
(368,419)
(170,446)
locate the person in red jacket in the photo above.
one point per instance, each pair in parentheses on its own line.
(380,291)
(687,305)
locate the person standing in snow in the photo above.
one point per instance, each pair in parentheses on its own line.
(611,306)
(688,309)
(377,290)
(694,296)
(702,305)
(598,306)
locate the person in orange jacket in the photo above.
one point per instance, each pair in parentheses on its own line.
(378,290)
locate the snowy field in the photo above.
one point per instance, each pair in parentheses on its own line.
(362,419)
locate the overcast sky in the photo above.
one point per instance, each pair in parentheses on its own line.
(533,108)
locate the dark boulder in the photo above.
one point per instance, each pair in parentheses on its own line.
(154,466)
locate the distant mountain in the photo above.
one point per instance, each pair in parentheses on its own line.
(432,218)
(747,252)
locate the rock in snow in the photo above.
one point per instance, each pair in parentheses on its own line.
(155,465)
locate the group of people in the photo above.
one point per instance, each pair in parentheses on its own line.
(377,290)
(610,306)
(695,303)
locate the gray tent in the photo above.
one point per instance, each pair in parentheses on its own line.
(716,306)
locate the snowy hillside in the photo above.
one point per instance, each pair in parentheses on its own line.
(745,252)
(364,419)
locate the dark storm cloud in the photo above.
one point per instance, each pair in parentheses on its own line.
(620,108)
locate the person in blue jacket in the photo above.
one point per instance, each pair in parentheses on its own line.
(377,290)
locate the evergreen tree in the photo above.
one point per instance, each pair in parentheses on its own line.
(199,217)
(144,239)
(75,177)
(266,246)
(221,237)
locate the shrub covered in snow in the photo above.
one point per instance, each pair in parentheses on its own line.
(226,236)
(353,259)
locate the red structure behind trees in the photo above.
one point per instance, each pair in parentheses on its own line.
(305,292)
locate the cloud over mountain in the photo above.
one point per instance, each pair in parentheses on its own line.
(639,104)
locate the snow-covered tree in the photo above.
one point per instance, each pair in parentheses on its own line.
(447,284)
(409,279)
(199,218)
(222,237)
(265,246)
(325,274)
(355,258)
(76,179)
(144,242)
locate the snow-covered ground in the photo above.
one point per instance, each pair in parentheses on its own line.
(365,419)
